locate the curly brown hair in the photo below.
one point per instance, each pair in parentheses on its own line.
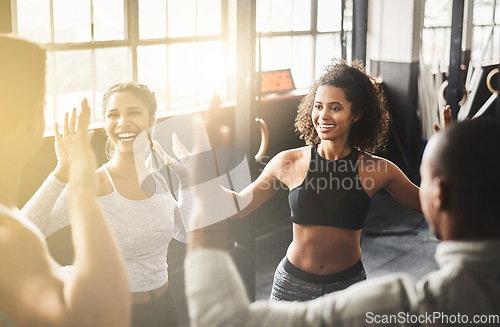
(369,133)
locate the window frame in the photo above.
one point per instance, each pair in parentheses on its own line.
(132,42)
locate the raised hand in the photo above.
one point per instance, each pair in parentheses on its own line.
(63,144)
(180,167)
(445,118)
(78,151)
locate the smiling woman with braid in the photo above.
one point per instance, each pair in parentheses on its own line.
(144,216)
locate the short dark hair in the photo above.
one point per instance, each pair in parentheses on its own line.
(366,96)
(22,80)
(467,158)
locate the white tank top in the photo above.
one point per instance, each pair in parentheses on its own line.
(143,228)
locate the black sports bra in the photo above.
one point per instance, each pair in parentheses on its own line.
(331,194)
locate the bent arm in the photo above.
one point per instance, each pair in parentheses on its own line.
(39,209)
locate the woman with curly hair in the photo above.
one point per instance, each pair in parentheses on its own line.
(343,121)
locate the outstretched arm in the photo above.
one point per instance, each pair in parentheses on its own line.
(260,190)
(34,290)
(216,295)
(401,188)
(249,199)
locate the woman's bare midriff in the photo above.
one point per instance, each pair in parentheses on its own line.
(324,250)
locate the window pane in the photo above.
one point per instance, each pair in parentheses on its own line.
(181,18)
(301,15)
(49,112)
(152,71)
(327,48)
(302,61)
(152,19)
(73,80)
(281,15)
(182,74)
(212,72)
(276,53)
(49,92)
(33,20)
(329,15)
(71,21)
(112,66)
(109,20)
(263,14)
(209,17)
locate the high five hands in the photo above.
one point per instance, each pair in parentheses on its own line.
(76,159)
(181,166)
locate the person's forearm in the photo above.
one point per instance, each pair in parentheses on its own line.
(243,210)
(251,198)
(61,172)
(38,209)
(99,286)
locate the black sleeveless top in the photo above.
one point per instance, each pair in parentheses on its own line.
(331,194)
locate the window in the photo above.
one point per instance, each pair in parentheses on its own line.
(302,35)
(176,47)
(184,50)
(437,29)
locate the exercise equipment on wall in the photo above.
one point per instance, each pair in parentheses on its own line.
(480,94)
(494,94)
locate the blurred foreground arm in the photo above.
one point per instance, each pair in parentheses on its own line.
(216,297)
(98,289)
(34,289)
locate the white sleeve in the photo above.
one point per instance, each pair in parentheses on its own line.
(40,208)
(216,297)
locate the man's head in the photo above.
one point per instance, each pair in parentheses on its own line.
(22,91)
(460,181)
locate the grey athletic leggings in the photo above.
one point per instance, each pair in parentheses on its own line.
(294,284)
